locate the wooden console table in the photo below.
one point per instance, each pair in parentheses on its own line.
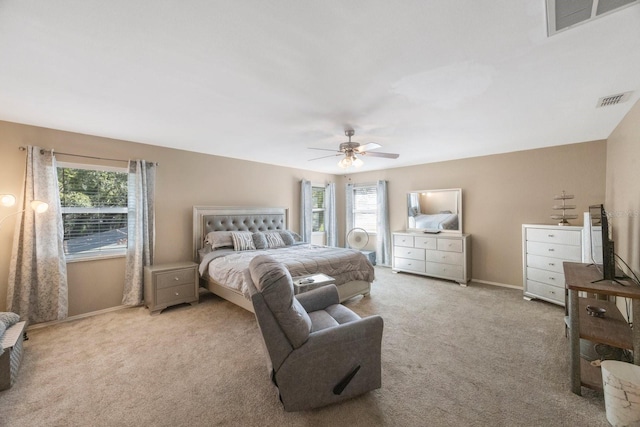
(612,329)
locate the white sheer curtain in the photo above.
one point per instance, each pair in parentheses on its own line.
(37,288)
(330,221)
(141,228)
(349,207)
(306,210)
(383,238)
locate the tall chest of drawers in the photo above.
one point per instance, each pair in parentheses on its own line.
(446,256)
(544,249)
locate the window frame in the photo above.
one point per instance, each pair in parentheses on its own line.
(119,252)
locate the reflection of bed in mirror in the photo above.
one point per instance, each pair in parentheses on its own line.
(435,210)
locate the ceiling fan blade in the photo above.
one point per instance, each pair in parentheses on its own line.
(324,157)
(366,147)
(376,154)
(323,149)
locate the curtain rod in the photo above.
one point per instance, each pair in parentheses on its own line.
(83,156)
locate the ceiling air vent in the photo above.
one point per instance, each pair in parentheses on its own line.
(564,14)
(613,99)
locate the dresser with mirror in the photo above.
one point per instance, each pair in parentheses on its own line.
(433,243)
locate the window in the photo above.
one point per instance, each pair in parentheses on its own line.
(317,195)
(365,208)
(94,210)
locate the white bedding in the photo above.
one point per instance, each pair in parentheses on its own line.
(344,265)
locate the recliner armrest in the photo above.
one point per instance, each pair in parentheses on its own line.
(319,299)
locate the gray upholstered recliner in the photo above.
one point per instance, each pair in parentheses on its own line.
(320,352)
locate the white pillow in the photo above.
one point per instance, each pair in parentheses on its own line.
(219,239)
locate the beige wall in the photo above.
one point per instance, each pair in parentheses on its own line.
(499,194)
(184,179)
(623,187)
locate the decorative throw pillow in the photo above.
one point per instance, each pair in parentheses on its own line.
(287,237)
(242,241)
(219,239)
(259,240)
(273,239)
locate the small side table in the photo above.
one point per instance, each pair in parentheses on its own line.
(170,284)
(303,284)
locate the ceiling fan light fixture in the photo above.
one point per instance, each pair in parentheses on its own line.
(357,162)
(345,163)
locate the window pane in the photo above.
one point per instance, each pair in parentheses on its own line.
(365,202)
(318,221)
(317,194)
(94,210)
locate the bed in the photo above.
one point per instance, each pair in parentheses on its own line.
(222,267)
(440,221)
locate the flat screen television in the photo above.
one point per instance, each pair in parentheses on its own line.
(605,262)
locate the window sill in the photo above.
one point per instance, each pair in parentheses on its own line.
(80,258)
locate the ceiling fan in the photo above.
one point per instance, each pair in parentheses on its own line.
(350,148)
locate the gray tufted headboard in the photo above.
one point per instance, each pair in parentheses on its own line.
(215,218)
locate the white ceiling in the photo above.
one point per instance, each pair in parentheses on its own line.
(266,80)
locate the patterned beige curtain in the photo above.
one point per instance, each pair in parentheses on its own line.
(141,228)
(38,271)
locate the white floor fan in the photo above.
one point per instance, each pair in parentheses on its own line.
(358,238)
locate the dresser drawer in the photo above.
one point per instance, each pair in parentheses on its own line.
(455,258)
(411,253)
(425,242)
(544,276)
(444,270)
(408,264)
(174,278)
(545,263)
(561,237)
(175,294)
(565,252)
(402,240)
(450,245)
(541,290)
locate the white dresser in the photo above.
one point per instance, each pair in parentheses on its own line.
(447,256)
(544,249)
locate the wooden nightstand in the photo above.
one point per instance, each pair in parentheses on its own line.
(170,284)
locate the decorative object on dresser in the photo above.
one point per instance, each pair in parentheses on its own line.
(544,249)
(446,256)
(563,207)
(170,284)
(611,330)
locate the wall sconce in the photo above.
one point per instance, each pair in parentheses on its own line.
(9,200)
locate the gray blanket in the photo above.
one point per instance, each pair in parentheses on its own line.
(344,265)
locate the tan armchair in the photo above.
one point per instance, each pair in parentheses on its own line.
(319,351)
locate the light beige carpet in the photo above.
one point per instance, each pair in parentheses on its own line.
(452,356)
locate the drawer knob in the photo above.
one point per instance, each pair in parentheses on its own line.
(552,278)
(552,264)
(551,249)
(176,279)
(552,292)
(177,293)
(550,235)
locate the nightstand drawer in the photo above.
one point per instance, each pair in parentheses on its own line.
(175,294)
(174,278)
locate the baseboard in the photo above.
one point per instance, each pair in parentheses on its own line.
(502,285)
(76,317)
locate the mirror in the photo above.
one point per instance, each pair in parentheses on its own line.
(435,211)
